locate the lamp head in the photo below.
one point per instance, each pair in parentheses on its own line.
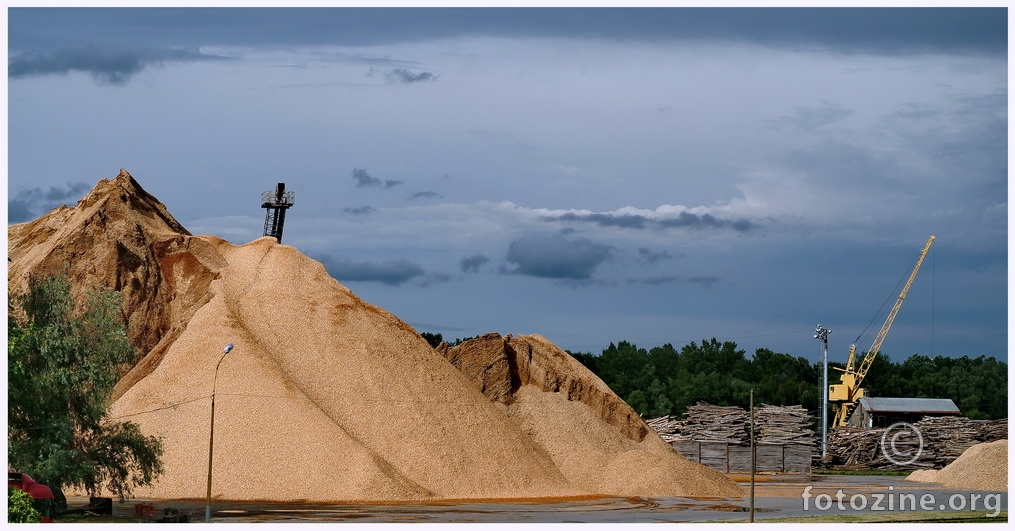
(228,348)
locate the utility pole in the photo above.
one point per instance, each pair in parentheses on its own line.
(753,457)
(821,334)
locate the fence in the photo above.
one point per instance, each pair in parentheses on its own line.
(726,457)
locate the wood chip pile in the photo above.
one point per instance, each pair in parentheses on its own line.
(325,397)
(983,467)
(731,424)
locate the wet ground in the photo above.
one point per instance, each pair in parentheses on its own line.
(775,496)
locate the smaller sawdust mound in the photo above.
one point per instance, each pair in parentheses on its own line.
(982,467)
(597,441)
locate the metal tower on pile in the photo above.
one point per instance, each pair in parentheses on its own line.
(276,203)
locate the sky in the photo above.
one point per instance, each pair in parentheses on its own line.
(593,175)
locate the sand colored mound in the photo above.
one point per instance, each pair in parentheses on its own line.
(983,466)
(326,397)
(595,439)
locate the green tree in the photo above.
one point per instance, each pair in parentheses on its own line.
(62,365)
(434,339)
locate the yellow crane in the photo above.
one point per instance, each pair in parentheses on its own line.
(846,394)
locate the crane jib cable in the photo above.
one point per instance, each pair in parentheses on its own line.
(889,300)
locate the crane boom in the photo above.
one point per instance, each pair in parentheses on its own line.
(880,338)
(847,393)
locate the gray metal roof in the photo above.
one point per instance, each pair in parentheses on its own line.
(877,404)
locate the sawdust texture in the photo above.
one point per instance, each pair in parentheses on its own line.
(983,466)
(595,439)
(326,397)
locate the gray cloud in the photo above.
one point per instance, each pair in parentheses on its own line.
(391,272)
(647,256)
(635,221)
(882,31)
(810,118)
(360,210)
(363,179)
(557,257)
(701,280)
(27,205)
(106,65)
(402,76)
(470,264)
(425,195)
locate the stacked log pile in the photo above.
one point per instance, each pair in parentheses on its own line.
(943,441)
(709,423)
(783,425)
(992,430)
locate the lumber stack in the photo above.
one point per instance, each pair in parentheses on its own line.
(783,425)
(992,430)
(709,423)
(944,440)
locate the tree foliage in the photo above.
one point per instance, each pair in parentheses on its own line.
(663,381)
(19,507)
(62,364)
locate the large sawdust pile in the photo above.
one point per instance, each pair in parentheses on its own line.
(326,397)
(983,466)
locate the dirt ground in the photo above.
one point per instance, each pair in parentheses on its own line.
(776,496)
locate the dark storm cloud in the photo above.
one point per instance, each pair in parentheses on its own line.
(635,221)
(114,67)
(392,272)
(470,264)
(647,256)
(701,280)
(360,210)
(557,257)
(27,205)
(404,77)
(694,221)
(425,195)
(869,30)
(363,179)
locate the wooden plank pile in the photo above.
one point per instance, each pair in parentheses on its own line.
(992,430)
(730,424)
(783,425)
(706,423)
(944,440)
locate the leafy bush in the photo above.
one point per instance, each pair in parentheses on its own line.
(19,507)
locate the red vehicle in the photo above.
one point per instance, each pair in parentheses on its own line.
(42,496)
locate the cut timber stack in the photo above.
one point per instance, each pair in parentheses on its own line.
(944,440)
(706,423)
(784,425)
(731,424)
(719,437)
(992,430)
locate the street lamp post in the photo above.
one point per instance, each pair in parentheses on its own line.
(821,334)
(211,436)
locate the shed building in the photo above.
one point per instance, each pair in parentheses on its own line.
(881,412)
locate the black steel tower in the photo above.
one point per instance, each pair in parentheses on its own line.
(276,203)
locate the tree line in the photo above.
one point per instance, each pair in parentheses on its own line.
(664,381)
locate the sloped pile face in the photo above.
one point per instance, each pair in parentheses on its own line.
(120,237)
(594,438)
(982,466)
(326,397)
